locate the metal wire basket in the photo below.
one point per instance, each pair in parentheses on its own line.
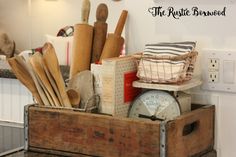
(166,69)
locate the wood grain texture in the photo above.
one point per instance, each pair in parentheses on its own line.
(24,77)
(102,12)
(51,61)
(100,32)
(68,131)
(199,140)
(112,47)
(97,135)
(114,41)
(85,11)
(121,23)
(82,46)
(37,63)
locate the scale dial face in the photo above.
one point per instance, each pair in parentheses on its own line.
(156,103)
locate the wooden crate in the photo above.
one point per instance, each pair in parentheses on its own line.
(191,133)
(72,133)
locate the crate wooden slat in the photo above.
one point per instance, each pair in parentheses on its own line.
(97,135)
(200,136)
(72,133)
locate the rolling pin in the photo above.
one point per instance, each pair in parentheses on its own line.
(82,42)
(114,41)
(100,32)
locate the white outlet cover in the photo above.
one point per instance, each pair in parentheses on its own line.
(220,84)
(213,64)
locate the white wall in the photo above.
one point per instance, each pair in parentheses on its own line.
(209,32)
(15,21)
(28,21)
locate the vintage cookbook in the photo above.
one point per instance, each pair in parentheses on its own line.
(117,76)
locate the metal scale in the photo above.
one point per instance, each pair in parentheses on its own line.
(163,102)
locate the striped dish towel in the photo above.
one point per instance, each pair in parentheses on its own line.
(171,49)
(161,71)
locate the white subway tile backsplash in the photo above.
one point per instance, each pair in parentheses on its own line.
(13,97)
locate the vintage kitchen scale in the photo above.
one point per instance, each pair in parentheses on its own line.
(162,101)
(167,69)
(162,69)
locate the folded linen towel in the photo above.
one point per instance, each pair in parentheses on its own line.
(163,71)
(171,49)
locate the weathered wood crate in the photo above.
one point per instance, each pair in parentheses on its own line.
(72,133)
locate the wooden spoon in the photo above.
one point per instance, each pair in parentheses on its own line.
(25,63)
(74,97)
(52,64)
(36,61)
(53,83)
(24,77)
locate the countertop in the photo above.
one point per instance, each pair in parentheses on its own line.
(6,72)
(34,154)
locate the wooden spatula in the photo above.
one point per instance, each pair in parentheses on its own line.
(24,77)
(53,83)
(52,64)
(25,64)
(37,62)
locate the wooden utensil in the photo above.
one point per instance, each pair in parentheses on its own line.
(82,42)
(24,77)
(74,97)
(37,62)
(100,32)
(114,42)
(25,64)
(52,64)
(53,83)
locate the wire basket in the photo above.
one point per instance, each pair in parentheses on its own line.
(166,69)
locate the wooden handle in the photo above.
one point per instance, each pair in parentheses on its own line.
(37,63)
(26,64)
(121,22)
(102,13)
(82,46)
(85,10)
(74,97)
(112,47)
(100,32)
(99,39)
(51,61)
(24,77)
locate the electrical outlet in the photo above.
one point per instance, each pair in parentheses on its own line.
(213,64)
(219,70)
(213,77)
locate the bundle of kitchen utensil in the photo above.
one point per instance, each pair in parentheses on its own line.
(91,44)
(167,62)
(41,74)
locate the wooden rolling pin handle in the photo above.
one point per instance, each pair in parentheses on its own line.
(121,23)
(85,11)
(102,13)
(100,33)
